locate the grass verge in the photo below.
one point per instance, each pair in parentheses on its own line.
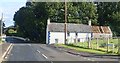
(0,41)
(79,49)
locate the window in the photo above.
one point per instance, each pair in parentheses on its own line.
(76,34)
(56,40)
(68,34)
(79,40)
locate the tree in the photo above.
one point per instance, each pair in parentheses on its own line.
(87,11)
(115,23)
(31,20)
(25,24)
(108,14)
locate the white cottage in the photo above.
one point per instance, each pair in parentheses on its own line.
(75,33)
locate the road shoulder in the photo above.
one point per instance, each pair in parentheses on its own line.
(4,49)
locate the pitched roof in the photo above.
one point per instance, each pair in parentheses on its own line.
(59,27)
(95,29)
(101,29)
(106,29)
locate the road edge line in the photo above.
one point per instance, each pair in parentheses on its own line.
(6,51)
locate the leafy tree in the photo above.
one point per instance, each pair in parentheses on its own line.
(31,20)
(25,24)
(87,11)
(115,23)
(108,13)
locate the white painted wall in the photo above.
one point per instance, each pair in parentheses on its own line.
(56,35)
(71,38)
(47,35)
(81,36)
(84,36)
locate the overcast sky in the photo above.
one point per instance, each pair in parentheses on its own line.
(8,8)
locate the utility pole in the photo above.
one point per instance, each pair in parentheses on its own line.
(65,29)
(1,25)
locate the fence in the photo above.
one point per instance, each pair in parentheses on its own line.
(110,45)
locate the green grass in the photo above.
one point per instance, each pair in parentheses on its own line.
(101,44)
(82,49)
(0,41)
(102,48)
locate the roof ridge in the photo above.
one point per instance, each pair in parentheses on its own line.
(67,23)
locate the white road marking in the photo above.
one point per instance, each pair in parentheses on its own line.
(93,60)
(89,59)
(5,57)
(29,44)
(38,51)
(10,49)
(85,58)
(44,56)
(7,51)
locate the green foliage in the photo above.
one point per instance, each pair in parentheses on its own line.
(76,12)
(11,32)
(102,45)
(115,23)
(0,40)
(109,14)
(87,11)
(31,20)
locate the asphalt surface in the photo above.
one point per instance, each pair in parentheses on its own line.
(41,52)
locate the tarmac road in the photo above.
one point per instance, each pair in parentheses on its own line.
(42,52)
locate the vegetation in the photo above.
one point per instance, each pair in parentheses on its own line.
(0,41)
(82,49)
(31,20)
(109,14)
(11,32)
(102,46)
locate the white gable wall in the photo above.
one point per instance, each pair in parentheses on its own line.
(56,35)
